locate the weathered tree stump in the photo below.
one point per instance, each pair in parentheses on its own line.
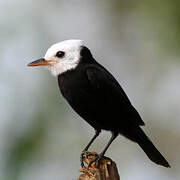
(106,169)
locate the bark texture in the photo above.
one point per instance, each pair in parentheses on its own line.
(106,169)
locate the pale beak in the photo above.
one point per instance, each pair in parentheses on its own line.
(41,62)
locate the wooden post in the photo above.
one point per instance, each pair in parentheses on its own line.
(106,169)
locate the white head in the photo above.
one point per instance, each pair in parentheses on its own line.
(61,57)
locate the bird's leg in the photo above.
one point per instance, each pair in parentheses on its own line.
(97,132)
(98,157)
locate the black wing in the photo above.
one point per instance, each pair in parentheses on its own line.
(113,95)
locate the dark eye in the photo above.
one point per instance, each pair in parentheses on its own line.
(60,54)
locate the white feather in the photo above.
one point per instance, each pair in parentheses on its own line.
(71,59)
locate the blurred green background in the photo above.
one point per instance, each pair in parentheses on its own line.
(41,137)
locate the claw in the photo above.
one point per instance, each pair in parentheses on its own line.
(86,155)
(82,159)
(95,160)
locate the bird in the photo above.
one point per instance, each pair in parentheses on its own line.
(94,93)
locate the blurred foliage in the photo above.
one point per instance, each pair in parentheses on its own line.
(164,19)
(160,20)
(25,147)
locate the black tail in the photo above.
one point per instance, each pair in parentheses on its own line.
(144,142)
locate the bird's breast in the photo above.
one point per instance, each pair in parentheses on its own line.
(74,86)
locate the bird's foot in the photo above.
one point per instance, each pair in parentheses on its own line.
(82,159)
(95,161)
(86,155)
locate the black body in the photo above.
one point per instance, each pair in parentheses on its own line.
(99,99)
